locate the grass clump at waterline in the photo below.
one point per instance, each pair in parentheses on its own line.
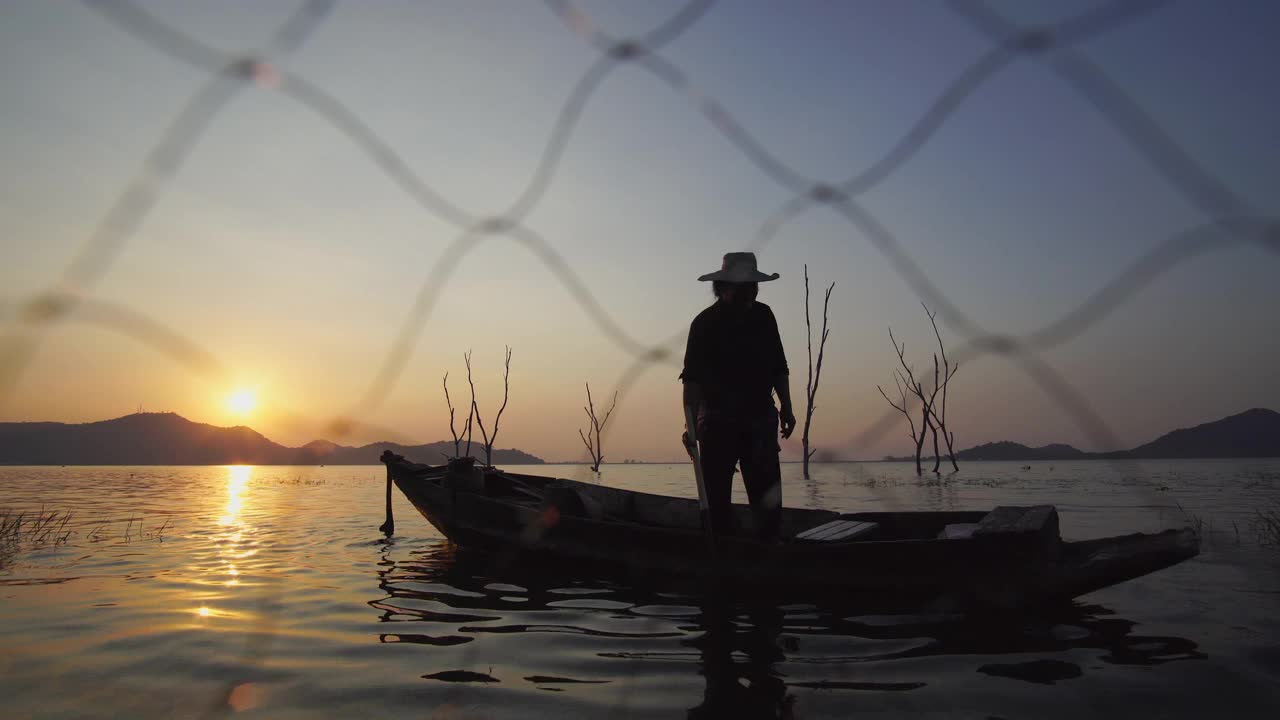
(23,531)
(1266,526)
(26,531)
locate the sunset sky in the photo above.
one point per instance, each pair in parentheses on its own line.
(282,250)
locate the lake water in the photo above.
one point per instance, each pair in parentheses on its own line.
(268,592)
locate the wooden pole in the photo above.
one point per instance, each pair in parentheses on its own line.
(691,423)
(388,528)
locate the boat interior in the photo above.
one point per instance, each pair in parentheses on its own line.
(609,504)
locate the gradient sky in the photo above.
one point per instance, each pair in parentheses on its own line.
(283,251)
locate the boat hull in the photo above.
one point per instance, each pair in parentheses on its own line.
(517,527)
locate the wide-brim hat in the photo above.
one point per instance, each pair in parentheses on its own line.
(739,267)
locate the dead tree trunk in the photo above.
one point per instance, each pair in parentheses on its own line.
(901,406)
(471,411)
(592,436)
(905,380)
(903,383)
(940,414)
(489,440)
(815,372)
(466,428)
(924,428)
(929,406)
(933,428)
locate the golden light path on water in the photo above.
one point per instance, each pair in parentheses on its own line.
(237,480)
(229,541)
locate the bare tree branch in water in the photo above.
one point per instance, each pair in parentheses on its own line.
(933,421)
(940,415)
(469,428)
(466,428)
(906,382)
(930,420)
(815,373)
(489,440)
(592,437)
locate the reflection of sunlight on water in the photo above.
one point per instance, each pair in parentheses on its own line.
(230,541)
(204,612)
(237,479)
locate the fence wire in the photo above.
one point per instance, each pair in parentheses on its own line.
(1228,221)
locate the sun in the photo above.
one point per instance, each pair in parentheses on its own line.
(242,401)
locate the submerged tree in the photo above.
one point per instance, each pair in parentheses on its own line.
(905,381)
(939,415)
(466,428)
(815,372)
(592,436)
(932,419)
(489,440)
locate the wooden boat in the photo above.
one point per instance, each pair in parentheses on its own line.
(1007,557)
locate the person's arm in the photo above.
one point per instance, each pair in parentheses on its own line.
(692,402)
(786,414)
(782,382)
(692,376)
(692,397)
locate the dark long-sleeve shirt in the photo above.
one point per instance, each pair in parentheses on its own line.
(736,355)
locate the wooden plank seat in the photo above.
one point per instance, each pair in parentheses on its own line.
(958,531)
(1035,520)
(837,530)
(1033,528)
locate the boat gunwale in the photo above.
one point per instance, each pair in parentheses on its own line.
(697,533)
(974,571)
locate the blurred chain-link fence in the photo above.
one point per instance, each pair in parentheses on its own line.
(1227,218)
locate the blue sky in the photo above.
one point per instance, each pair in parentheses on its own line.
(284,251)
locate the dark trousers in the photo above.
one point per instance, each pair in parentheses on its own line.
(752,444)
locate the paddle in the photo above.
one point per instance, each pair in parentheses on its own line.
(692,448)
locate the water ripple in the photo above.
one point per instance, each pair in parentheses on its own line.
(183,589)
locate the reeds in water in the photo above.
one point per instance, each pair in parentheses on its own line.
(46,527)
(1195,522)
(1266,526)
(24,531)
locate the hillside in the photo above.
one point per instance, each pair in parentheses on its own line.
(1006,450)
(1251,434)
(435,452)
(170,439)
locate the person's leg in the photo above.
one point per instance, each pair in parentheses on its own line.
(762,475)
(719,454)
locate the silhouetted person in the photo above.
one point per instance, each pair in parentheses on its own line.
(733,364)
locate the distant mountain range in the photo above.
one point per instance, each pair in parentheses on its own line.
(1005,450)
(1253,433)
(170,439)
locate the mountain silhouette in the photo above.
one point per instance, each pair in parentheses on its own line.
(1251,434)
(1005,450)
(170,439)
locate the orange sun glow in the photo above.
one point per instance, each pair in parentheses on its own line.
(242,401)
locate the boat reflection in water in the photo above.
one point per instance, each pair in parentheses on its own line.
(611,641)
